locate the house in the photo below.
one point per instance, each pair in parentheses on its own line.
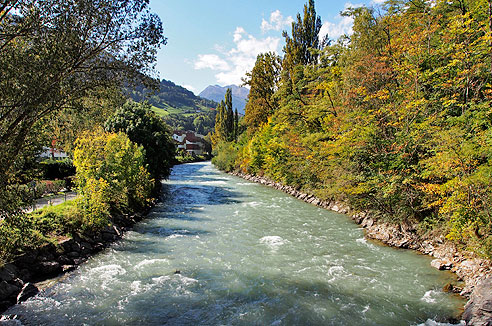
(190,142)
(53,153)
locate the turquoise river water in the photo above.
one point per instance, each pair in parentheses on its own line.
(247,255)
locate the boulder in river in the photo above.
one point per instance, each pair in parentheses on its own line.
(29,290)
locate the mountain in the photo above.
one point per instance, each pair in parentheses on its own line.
(216,93)
(180,108)
(172,99)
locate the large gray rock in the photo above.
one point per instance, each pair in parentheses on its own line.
(49,267)
(478,310)
(8,272)
(7,290)
(29,290)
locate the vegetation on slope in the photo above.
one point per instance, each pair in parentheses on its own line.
(395,118)
(179,107)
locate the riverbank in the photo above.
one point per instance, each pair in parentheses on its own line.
(19,278)
(474,272)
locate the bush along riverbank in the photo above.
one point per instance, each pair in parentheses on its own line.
(474,272)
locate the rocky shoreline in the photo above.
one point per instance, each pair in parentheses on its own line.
(473,271)
(18,278)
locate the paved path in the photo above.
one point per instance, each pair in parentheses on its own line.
(52,201)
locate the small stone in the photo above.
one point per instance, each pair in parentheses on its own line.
(441,264)
(66,244)
(68,268)
(73,254)
(78,261)
(64,260)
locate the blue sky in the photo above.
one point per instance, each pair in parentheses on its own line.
(217,41)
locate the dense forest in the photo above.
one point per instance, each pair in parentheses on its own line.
(394,118)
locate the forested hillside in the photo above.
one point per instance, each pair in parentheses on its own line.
(395,118)
(180,108)
(171,98)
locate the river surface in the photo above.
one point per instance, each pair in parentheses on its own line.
(247,255)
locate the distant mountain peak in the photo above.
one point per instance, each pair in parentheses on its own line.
(216,93)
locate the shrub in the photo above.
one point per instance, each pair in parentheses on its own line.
(225,158)
(110,175)
(17,235)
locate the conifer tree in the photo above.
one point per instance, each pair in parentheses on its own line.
(305,36)
(229,117)
(236,125)
(220,123)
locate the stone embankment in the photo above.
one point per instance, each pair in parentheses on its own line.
(474,272)
(18,278)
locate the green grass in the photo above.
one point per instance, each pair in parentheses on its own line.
(186,111)
(60,209)
(160,112)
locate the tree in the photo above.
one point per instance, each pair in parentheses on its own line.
(262,80)
(224,120)
(305,37)
(54,52)
(236,125)
(229,116)
(145,128)
(111,174)
(220,134)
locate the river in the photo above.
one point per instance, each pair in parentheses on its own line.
(218,250)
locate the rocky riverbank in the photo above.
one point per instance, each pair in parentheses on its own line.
(474,272)
(18,278)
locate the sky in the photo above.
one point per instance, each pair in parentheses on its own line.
(215,42)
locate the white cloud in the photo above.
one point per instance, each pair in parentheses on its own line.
(335,30)
(211,61)
(378,1)
(342,25)
(233,64)
(190,88)
(277,22)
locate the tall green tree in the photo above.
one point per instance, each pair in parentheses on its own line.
(236,125)
(263,82)
(220,133)
(224,120)
(146,129)
(305,37)
(229,116)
